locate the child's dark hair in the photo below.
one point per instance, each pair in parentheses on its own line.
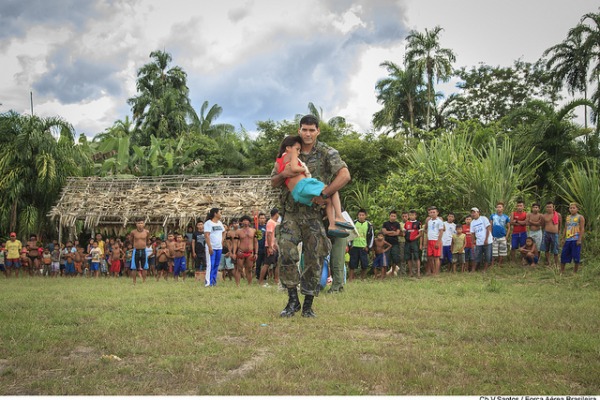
(288,141)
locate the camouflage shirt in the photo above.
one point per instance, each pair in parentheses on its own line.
(323,162)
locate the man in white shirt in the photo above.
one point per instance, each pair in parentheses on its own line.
(481,229)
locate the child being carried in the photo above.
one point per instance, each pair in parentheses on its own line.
(304,188)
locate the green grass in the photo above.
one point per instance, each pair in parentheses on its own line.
(505,332)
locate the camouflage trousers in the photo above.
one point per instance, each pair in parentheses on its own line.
(308,229)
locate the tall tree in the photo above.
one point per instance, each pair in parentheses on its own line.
(162,106)
(569,64)
(402,94)
(36,156)
(589,30)
(430,59)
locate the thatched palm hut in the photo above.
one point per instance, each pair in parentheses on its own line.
(110,204)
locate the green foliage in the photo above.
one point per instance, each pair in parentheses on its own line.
(36,156)
(162,106)
(552,134)
(489,93)
(581,185)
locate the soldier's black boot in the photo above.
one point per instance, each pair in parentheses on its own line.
(307,307)
(293,304)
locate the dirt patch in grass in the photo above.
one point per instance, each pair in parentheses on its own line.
(3,366)
(247,366)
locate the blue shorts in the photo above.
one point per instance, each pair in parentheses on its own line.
(139,260)
(571,252)
(2,268)
(468,254)
(94,266)
(380,261)
(13,264)
(447,253)
(518,240)
(70,267)
(483,250)
(306,189)
(178,265)
(531,260)
(550,242)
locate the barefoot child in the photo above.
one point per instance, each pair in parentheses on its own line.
(116,255)
(574,230)
(162,260)
(459,241)
(529,252)
(380,248)
(47,262)
(304,188)
(78,258)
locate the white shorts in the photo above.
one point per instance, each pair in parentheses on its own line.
(499,247)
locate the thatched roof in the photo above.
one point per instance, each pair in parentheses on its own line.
(176,200)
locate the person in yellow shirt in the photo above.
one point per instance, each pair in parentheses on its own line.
(13,254)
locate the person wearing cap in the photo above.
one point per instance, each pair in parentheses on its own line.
(13,254)
(481,229)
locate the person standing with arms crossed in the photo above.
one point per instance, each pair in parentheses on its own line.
(302,223)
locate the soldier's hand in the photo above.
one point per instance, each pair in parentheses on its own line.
(318,200)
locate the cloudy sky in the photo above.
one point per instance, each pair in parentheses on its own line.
(258,59)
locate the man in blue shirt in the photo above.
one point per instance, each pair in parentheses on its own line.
(500,233)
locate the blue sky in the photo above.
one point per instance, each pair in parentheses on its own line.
(257,59)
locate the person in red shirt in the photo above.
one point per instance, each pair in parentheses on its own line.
(469,256)
(518,220)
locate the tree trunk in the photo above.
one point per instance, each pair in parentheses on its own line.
(13,216)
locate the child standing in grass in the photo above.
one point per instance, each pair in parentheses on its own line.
(449,231)
(96,254)
(412,245)
(380,248)
(574,230)
(469,253)
(78,258)
(47,262)
(162,260)
(435,231)
(459,241)
(55,262)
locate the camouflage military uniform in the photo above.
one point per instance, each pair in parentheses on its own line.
(305,224)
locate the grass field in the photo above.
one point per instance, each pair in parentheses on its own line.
(504,332)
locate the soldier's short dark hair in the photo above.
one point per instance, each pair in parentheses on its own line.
(309,120)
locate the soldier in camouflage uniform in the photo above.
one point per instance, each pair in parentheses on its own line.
(303,223)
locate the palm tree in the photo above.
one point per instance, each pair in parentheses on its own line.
(589,31)
(402,97)
(425,54)
(162,107)
(569,61)
(205,123)
(36,156)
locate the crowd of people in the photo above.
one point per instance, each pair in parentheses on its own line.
(246,248)
(478,242)
(238,249)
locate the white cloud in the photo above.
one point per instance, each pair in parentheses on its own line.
(258,59)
